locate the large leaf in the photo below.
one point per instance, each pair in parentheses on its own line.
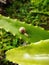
(35,33)
(33,54)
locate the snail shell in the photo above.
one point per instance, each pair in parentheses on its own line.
(22,30)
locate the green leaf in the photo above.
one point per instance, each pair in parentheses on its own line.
(33,54)
(36,1)
(35,33)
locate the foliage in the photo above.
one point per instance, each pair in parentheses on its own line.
(6,39)
(36,54)
(30,11)
(33,12)
(10,37)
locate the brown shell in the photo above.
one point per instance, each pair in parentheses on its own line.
(22,30)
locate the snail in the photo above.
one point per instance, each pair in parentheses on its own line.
(22,30)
